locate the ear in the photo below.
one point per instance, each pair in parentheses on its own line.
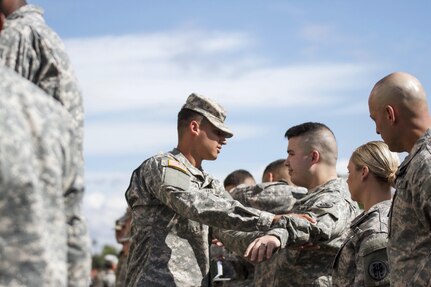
(270,177)
(365,171)
(390,114)
(315,156)
(194,127)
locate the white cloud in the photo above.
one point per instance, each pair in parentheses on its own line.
(119,73)
(104,202)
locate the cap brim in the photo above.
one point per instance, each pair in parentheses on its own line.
(221,126)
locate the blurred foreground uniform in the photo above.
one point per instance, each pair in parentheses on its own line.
(362,259)
(39,164)
(35,51)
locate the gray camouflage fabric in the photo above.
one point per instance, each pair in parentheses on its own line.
(410,218)
(330,204)
(35,51)
(38,169)
(275,197)
(207,107)
(172,205)
(362,259)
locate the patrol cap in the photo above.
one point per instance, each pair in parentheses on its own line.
(211,110)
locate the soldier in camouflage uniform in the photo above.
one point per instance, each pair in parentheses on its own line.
(399,108)
(274,195)
(38,169)
(362,260)
(174,202)
(35,51)
(276,171)
(312,157)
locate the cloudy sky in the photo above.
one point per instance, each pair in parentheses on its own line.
(271,64)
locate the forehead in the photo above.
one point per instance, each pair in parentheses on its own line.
(294,143)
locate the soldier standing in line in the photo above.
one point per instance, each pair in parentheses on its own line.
(276,194)
(34,50)
(312,157)
(38,169)
(399,108)
(174,202)
(276,171)
(362,259)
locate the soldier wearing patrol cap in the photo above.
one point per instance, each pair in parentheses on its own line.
(174,202)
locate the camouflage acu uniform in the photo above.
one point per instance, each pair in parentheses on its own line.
(410,219)
(172,205)
(275,197)
(38,169)
(362,259)
(35,51)
(331,206)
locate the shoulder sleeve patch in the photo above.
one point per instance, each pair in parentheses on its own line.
(176,176)
(375,260)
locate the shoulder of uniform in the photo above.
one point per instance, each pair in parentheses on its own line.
(374,242)
(375,260)
(175,164)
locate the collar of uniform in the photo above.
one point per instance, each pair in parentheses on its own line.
(423,140)
(26,9)
(375,208)
(324,187)
(182,159)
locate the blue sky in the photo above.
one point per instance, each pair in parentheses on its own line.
(271,64)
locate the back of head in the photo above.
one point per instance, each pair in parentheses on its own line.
(401,90)
(316,136)
(237,177)
(381,162)
(276,171)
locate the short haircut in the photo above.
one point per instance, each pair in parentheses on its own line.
(316,136)
(274,166)
(237,177)
(185,116)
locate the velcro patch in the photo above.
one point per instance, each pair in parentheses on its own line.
(176,177)
(177,165)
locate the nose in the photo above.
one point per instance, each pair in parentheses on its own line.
(223,140)
(286,162)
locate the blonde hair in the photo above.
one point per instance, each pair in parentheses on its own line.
(381,162)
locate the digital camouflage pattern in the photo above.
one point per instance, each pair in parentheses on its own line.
(275,197)
(410,218)
(38,169)
(331,206)
(172,205)
(210,109)
(362,259)
(35,51)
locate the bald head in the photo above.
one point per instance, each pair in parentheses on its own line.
(399,108)
(400,90)
(316,136)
